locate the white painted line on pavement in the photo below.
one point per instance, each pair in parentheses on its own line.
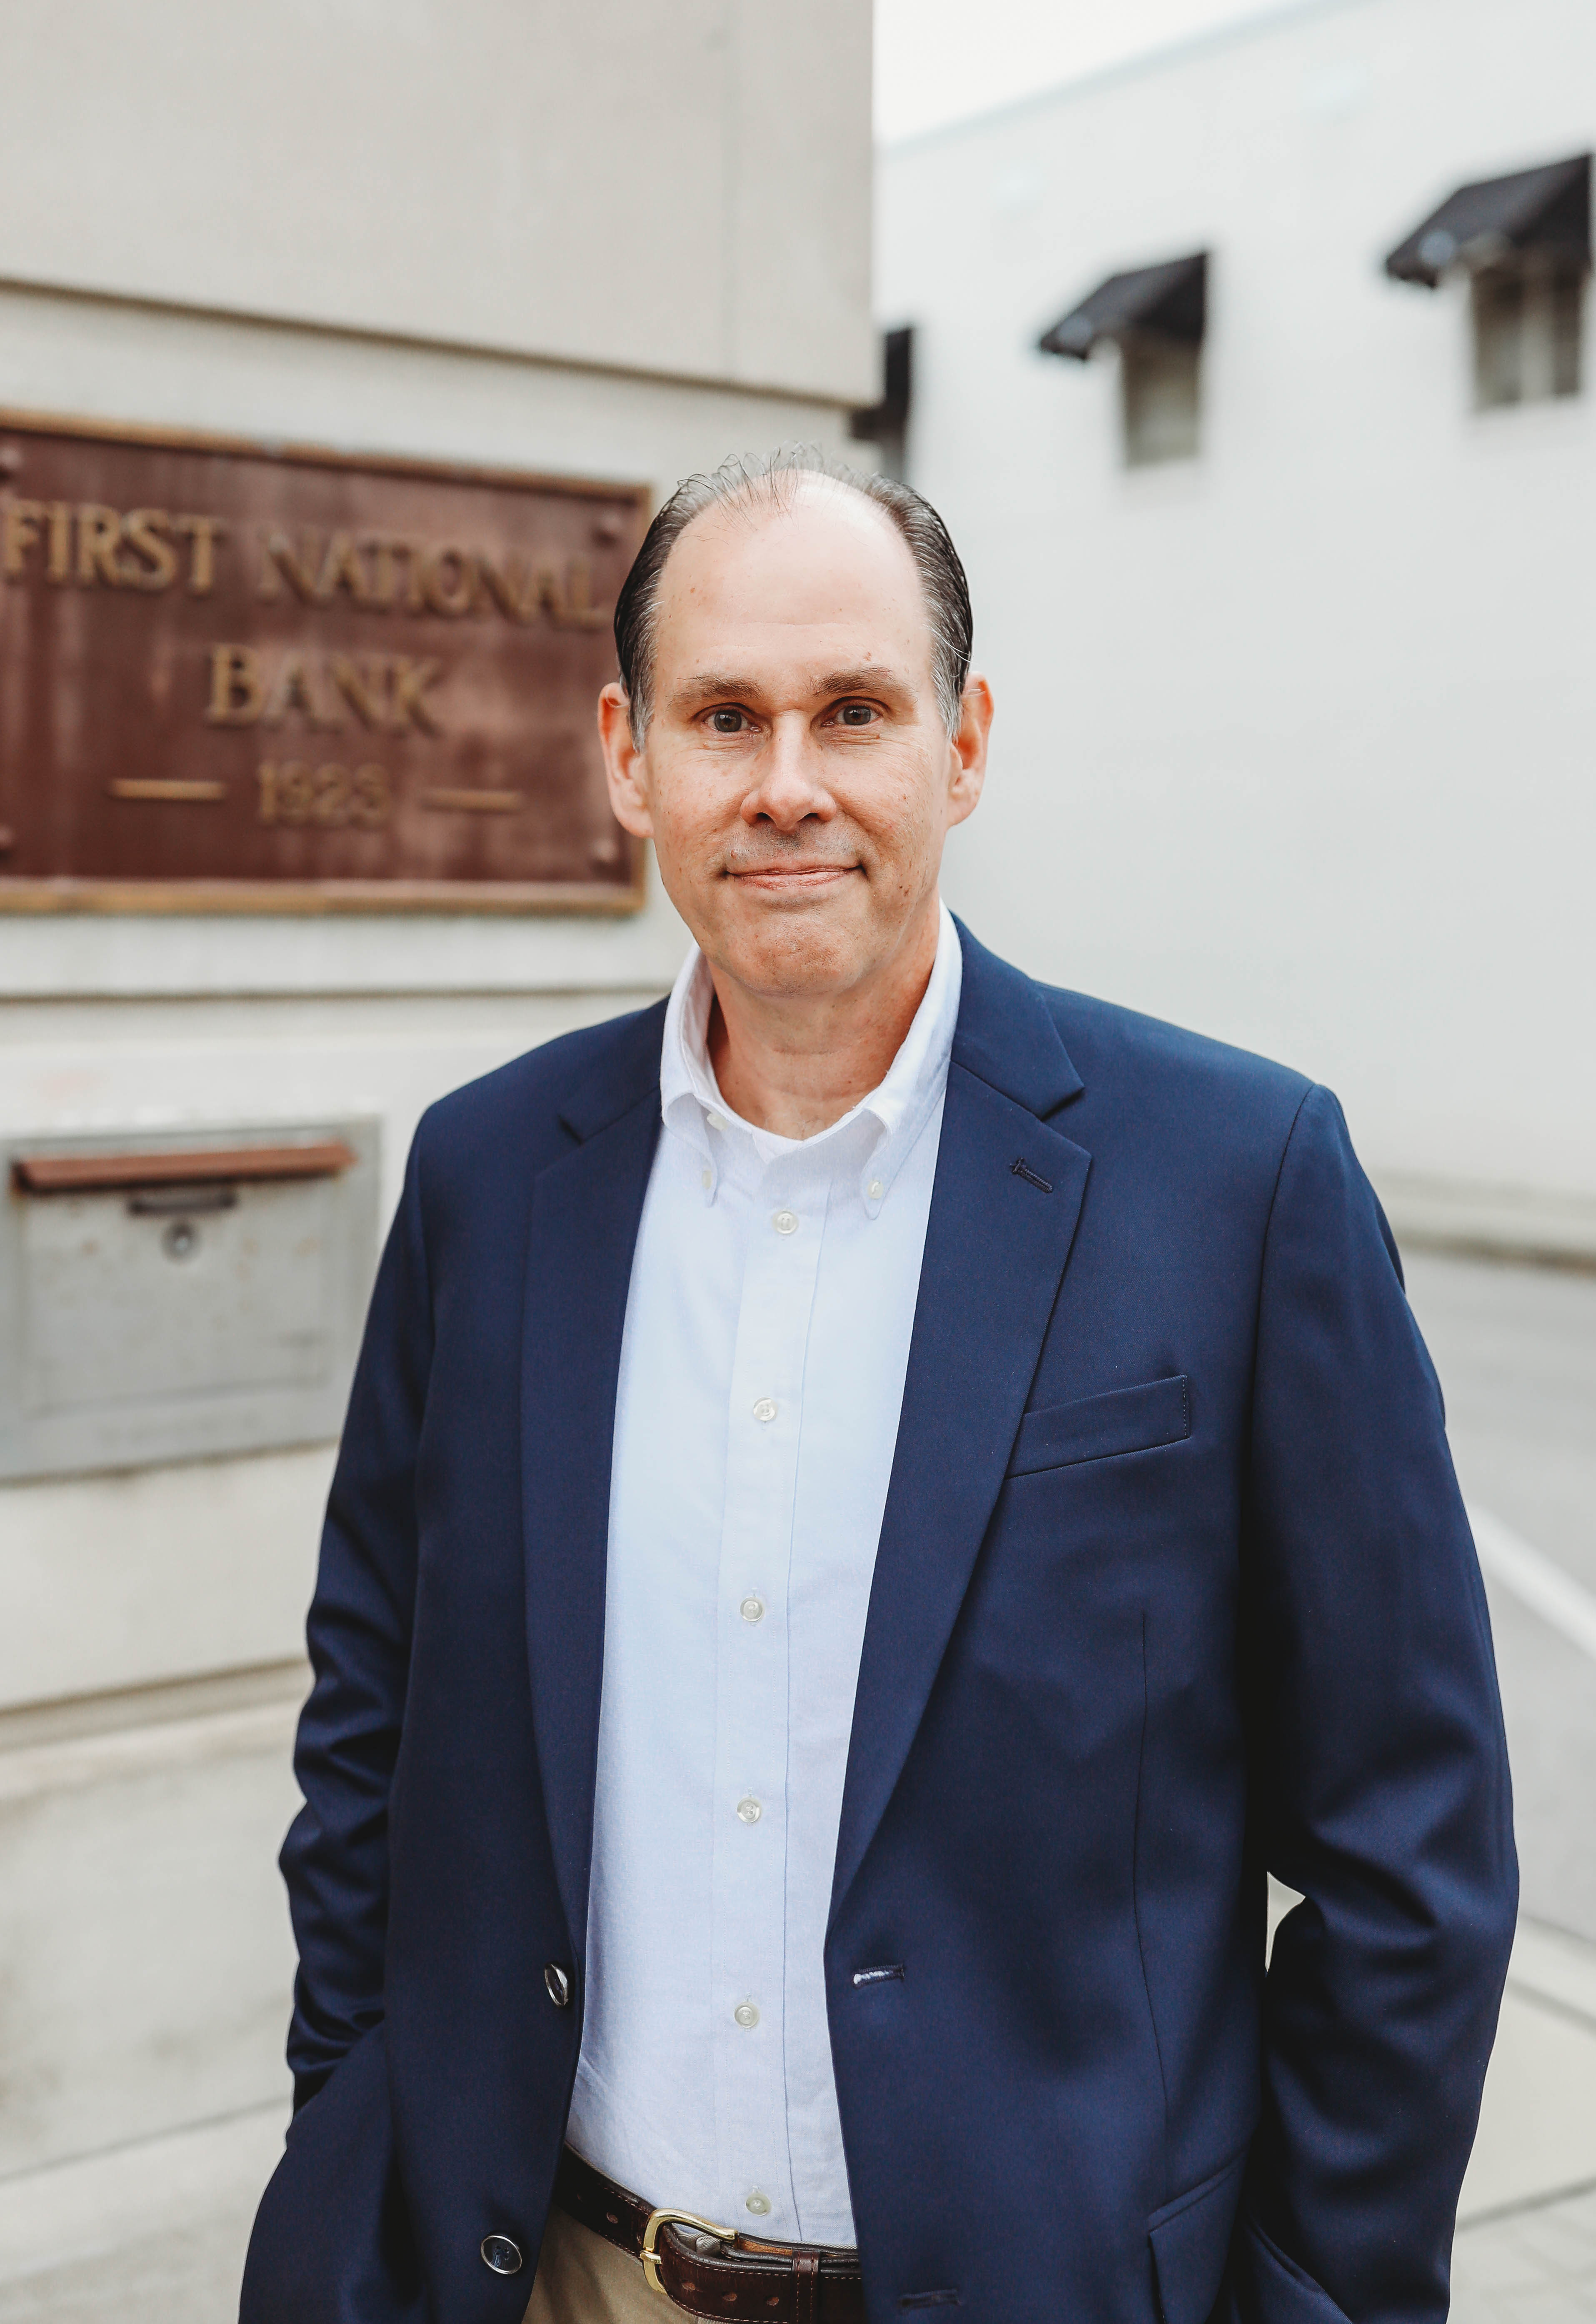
(1536,1580)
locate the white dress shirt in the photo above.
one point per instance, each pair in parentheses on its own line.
(767,1330)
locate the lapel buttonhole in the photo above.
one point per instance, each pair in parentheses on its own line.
(1021,1169)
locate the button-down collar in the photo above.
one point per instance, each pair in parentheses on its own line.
(870,1141)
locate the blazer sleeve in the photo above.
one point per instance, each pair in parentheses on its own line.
(1381,1789)
(335,1859)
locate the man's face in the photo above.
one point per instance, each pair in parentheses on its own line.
(796,777)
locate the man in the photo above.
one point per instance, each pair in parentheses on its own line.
(878,1500)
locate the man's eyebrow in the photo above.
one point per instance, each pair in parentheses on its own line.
(720,686)
(870,678)
(712,686)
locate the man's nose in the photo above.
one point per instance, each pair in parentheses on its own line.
(790,787)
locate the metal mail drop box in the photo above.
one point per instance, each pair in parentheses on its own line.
(166,1298)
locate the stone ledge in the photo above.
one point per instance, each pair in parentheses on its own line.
(138,1731)
(1533,1226)
(70,1717)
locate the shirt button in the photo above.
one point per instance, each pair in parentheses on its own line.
(758,2204)
(875,1190)
(752,1610)
(707,1177)
(746,2015)
(766,1408)
(784,1222)
(749,1811)
(716,1120)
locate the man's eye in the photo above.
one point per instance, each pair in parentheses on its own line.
(855,714)
(727,721)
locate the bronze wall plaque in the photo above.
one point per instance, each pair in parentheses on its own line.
(238,678)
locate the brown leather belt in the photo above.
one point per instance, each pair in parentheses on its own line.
(712,2271)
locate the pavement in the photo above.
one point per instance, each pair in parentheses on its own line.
(1515,1348)
(155,2233)
(150,2234)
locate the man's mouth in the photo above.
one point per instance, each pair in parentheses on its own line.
(778,876)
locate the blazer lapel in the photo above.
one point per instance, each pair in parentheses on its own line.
(586,1209)
(997,1243)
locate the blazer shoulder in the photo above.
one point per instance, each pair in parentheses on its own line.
(543,1102)
(1164,1073)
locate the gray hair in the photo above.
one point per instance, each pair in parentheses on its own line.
(774,478)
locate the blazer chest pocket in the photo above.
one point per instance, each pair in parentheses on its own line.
(1094,1427)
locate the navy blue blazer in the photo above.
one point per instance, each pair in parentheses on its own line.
(1174,1586)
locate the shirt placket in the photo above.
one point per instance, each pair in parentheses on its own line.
(753,1711)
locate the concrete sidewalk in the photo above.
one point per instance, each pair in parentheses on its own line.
(1526,2250)
(150,2234)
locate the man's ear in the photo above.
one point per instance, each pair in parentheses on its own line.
(968,747)
(624,767)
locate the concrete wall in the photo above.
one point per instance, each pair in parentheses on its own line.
(1293,740)
(147,1958)
(681,188)
(615,242)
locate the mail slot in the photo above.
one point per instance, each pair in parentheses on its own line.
(169,1299)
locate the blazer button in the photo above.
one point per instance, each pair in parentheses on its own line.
(559,1991)
(502,2254)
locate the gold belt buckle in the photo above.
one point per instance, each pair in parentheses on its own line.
(669,2218)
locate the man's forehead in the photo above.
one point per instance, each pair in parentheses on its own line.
(825,576)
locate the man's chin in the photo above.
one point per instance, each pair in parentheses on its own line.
(788,955)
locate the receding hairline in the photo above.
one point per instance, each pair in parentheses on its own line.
(777,492)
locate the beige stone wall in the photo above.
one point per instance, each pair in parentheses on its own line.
(619,241)
(680,188)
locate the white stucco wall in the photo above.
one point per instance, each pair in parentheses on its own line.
(1294,742)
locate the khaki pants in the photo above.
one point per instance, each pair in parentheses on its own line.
(582,2280)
